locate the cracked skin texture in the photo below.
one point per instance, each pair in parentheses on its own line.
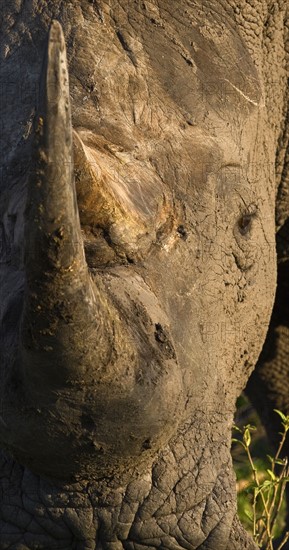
(165,125)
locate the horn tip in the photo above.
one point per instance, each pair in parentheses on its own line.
(56,32)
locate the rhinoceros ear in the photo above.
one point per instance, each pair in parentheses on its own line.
(67,322)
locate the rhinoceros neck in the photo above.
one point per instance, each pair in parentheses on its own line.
(185,498)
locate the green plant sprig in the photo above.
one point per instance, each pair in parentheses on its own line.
(268,494)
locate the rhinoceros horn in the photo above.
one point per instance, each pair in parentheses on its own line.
(67,321)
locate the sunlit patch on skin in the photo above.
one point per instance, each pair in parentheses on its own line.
(122,196)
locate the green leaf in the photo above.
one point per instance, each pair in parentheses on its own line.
(236,428)
(282,415)
(250,427)
(285,420)
(250,516)
(272,475)
(266,485)
(281,461)
(247,437)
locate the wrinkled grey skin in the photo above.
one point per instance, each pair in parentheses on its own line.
(119,374)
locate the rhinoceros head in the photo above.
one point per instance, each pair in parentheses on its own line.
(143,290)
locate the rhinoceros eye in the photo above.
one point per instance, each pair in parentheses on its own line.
(246,219)
(245,224)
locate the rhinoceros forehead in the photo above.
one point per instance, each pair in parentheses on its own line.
(195,53)
(201,59)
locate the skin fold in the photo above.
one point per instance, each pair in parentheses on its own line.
(138,265)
